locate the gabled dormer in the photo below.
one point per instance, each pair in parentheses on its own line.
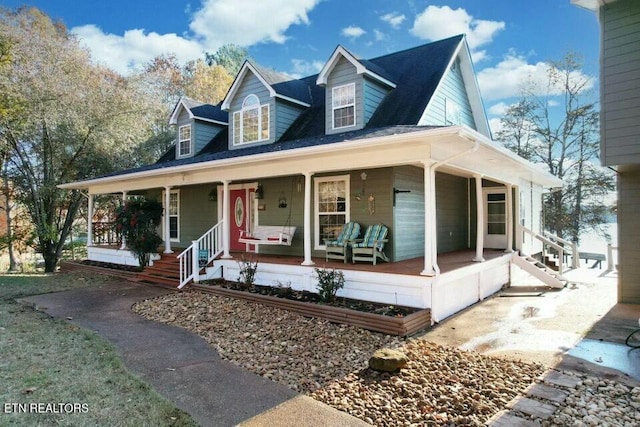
(196,124)
(262,104)
(354,89)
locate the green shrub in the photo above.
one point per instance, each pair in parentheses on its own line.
(248,269)
(137,221)
(330,281)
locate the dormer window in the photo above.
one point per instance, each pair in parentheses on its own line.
(344,105)
(184,141)
(251,123)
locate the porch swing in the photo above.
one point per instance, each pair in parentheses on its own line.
(271,234)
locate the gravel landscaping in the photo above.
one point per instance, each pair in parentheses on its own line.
(439,386)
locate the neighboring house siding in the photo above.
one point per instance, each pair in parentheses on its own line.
(453,91)
(251,85)
(620,75)
(452,212)
(203,132)
(409,213)
(285,115)
(629,234)
(374,93)
(343,73)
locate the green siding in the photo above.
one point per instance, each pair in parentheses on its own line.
(453,90)
(452,212)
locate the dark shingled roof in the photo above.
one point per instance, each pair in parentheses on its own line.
(415,71)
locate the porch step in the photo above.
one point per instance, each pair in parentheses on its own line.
(540,271)
(164,271)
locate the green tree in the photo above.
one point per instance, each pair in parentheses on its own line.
(556,124)
(229,56)
(64,119)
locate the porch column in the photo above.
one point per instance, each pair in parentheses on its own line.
(167,230)
(124,240)
(90,221)
(430,239)
(479,220)
(226,224)
(509,220)
(307,219)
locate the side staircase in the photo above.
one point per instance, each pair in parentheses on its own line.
(555,255)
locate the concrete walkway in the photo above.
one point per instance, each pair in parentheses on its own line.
(181,366)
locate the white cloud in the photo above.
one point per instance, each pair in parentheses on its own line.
(247,22)
(495,125)
(379,35)
(302,68)
(394,19)
(217,22)
(553,103)
(513,74)
(436,23)
(352,31)
(135,47)
(498,109)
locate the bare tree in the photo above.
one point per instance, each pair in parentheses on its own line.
(556,124)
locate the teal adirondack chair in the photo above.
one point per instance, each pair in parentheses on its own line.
(338,248)
(371,246)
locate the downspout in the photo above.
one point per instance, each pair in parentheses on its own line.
(432,170)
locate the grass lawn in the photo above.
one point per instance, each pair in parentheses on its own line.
(49,361)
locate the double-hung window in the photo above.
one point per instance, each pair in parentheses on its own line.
(184,141)
(251,123)
(344,105)
(331,207)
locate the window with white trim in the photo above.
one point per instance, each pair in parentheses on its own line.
(173,215)
(251,123)
(331,207)
(184,141)
(343,100)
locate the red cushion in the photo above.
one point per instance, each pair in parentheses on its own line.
(273,238)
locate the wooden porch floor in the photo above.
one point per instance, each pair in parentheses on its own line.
(447,262)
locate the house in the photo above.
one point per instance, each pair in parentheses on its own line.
(401,140)
(620,127)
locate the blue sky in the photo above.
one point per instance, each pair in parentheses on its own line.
(510,39)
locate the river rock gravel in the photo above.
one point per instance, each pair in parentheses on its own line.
(439,386)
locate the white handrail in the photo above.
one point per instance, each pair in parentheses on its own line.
(575,255)
(547,242)
(610,249)
(189,259)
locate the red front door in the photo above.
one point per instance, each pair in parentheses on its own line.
(240,216)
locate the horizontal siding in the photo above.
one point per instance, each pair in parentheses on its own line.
(409,213)
(451,89)
(629,235)
(620,74)
(344,73)
(285,115)
(373,96)
(203,133)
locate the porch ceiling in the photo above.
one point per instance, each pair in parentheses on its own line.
(416,148)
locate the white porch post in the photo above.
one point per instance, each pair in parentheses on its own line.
(307,219)
(167,230)
(479,220)
(90,221)
(429,220)
(226,224)
(509,220)
(124,240)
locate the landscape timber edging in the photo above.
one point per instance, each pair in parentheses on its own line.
(401,326)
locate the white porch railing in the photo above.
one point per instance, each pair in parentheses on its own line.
(610,249)
(207,247)
(561,246)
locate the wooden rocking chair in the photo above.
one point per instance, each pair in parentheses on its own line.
(371,246)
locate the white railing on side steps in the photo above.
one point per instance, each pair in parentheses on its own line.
(209,245)
(560,245)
